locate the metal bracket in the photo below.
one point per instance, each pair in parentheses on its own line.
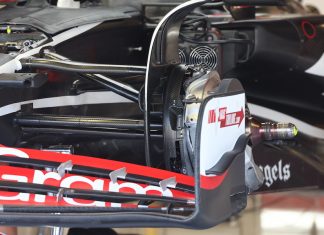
(168,183)
(118,174)
(59,195)
(64,167)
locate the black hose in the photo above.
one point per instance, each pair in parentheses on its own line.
(78,67)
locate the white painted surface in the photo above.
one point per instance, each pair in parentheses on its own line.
(104,97)
(215,140)
(317,68)
(68,4)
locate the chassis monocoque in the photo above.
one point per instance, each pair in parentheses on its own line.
(114,117)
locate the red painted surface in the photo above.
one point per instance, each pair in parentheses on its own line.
(87,182)
(76,182)
(109,165)
(212,182)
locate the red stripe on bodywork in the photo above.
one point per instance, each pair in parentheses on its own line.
(30,174)
(109,164)
(207,182)
(211,182)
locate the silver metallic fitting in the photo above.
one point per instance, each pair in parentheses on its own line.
(118,174)
(59,195)
(168,183)
(64,167)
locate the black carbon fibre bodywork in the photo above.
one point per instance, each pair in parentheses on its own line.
(268,59)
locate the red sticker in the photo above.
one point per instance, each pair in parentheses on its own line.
(309,30)
(230,119)
(212,116)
